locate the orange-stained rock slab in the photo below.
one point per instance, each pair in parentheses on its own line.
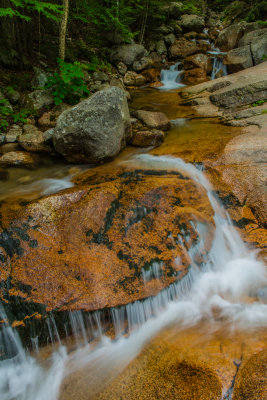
(87,247)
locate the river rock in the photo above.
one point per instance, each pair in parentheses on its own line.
(198,61)
(39,79)
(95,129)
(85,248)
(229,37)
(33,140)
(161,47)
(251,382)
(142,64)
(122,68)
(170,39)
(100,76)
(156,120)
(19,159)
(13,134)
(147,138)
(259,49)
(195,75)
(182,48)
(151,74)
(127,53)
(191,23)
(164,29)
(251,36)
(38,99)
(238,59)
(131,78)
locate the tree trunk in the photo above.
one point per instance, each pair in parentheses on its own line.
(63,29)
(143,25)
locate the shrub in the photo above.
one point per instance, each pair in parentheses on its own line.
(68,83)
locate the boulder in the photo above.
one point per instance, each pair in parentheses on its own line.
(191,23)
(100,76)
(40,78)
(251,382)
(33,140)
(127,53)
(238,59)
(198,61)
(38,99)
(94,130)
(259,49)
(156,120)
(86,248)
(229,37)
(176,27)
(252,36)
(147,138)
(164,29)
(182,48)
(170,39)
(118,82)
(161,47)
(13,134)
(142,64)
(19,159)
(122,68)
(241,92)
(131,78)
(152,74)
(195,75)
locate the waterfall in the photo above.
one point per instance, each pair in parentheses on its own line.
(218,67)
(171,78)
(231,272)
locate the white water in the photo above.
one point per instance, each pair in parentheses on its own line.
(230,273)
(171,78)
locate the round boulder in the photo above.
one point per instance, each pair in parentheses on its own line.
(95,129)
(191,23)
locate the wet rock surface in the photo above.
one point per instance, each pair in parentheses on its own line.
(86,248)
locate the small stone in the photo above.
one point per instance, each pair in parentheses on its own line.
(100,76)
(156,120)
(19,159)
(122,68)
(148,138)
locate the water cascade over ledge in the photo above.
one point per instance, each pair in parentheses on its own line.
(230,273)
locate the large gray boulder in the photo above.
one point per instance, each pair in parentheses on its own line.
(193,23)
(238,59)
(94,130)
(252,36)
(38,99)
(229,37)
(127,53)
(259,49)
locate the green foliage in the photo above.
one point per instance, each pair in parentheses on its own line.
(259,103)
(191,7)
(257,12)
(67,84)
(9,117)
(24,8)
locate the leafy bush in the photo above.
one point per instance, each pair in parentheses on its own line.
(8,116)
(257,12)
(68,84)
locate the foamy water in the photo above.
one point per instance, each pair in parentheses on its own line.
(231,273)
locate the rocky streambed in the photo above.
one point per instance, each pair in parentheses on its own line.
(148,224)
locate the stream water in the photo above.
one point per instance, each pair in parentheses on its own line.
(218,292)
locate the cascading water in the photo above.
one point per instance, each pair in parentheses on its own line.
(171,78)
(231,271)
(218,67)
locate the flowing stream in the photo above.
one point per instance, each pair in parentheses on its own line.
(230,273)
